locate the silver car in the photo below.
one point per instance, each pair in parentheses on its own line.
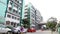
(3,29)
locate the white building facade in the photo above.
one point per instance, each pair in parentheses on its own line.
(32,14)
(13,12)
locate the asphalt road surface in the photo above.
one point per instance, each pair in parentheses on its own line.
(43,32)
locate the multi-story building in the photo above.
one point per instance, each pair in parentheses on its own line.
(11,10)
(33,15)
(38,19)
(29,13)
(13,13)
(3,6)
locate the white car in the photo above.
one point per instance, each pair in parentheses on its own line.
(16,30)
(3,29)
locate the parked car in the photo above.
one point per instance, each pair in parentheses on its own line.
(17,29)
(31,29)
(3,29)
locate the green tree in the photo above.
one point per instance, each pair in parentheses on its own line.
(51,25)
(58,25)
(26,23)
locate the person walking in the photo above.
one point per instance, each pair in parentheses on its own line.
(42,28)
(21,30)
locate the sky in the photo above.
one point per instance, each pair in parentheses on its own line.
(47,8)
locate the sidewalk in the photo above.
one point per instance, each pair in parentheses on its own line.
(47,31)
(43,32)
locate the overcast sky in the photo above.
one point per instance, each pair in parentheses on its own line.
(47,8)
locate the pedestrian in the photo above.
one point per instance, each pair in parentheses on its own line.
(42,28)
(21,30)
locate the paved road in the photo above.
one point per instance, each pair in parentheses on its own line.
(43,32)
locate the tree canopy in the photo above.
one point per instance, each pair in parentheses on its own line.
(51,24)
(26,23)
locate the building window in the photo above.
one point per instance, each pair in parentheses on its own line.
(17,1)
(15,5)
(12,17)
(26,16)
(11,3)
(7,22)
(26,12)
(18,19)
(15,17)
(20,9)
(25,9)
(14,10)
(10,8)
(12,23)
(19,12)
(9,16)
(18,24)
